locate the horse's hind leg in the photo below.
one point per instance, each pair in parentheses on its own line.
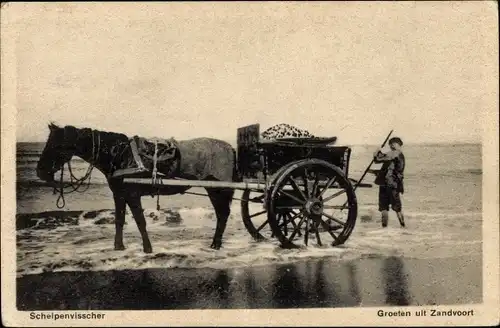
(134,202)
(221,200)
(119,220)
(116,187)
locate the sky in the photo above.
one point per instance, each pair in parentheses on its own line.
(354,70)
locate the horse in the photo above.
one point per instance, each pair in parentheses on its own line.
(198,159)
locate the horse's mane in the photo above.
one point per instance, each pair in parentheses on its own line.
(104,134)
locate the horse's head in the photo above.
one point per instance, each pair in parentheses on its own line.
(59,148)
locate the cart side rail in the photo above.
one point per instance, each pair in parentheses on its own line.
(248,158)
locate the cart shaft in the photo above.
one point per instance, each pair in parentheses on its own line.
(254,185)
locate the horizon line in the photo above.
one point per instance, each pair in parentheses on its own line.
(346,144)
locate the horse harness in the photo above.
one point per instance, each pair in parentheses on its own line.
(147,153)
(75,184)
(152,151)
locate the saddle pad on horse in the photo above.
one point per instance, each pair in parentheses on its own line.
(149,156)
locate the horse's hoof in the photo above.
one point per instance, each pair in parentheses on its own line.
(119,247)
(216,245)
(147,248)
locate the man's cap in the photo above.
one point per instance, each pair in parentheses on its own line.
(396,140)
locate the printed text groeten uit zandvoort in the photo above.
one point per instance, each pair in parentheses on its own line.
(426,313)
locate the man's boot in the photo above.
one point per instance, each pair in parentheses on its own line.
(401,219)
(385,218)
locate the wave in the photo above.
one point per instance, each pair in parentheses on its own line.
(49,220)
(24,161)
(28,153)
(440,174)
(83,240)
(52,219)
(35,158)
(30,180)
(38,183)
(474,171)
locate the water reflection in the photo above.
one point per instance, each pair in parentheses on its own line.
(395,283)
(307,284)
(319,290)
(287,289)
(251,291)
(353,284)
(318,286)
(221,286)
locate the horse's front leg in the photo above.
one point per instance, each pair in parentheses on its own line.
(119,220)
(134,202)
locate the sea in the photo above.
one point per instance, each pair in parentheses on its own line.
(442,206)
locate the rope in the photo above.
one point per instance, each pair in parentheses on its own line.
(155,162)
(155,180)
(76,183)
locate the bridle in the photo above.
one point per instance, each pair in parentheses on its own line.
(76,183)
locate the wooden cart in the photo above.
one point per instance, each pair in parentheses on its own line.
(297,190)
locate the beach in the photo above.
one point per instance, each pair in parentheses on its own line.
(66,259)
(320,283)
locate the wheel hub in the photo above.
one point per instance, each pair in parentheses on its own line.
(314,207)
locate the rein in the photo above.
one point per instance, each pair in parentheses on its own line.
(76,183)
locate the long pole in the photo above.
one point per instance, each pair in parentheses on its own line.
(371,163)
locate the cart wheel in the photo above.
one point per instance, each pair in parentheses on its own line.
(254,215)
(320,202)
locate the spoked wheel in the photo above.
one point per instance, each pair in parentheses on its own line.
(320,203)
(255,218)
(254,215)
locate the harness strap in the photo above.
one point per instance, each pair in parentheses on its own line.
(135,153)
(155,161)
(154,177)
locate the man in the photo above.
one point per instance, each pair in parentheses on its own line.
(390,180)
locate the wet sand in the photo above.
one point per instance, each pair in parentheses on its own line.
(314,283)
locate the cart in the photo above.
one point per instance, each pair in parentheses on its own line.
(295,190)
(306,195)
